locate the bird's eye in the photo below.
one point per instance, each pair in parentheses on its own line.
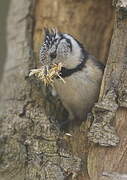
(53,55)
(55,40)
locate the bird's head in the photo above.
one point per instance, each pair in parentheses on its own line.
(60,48)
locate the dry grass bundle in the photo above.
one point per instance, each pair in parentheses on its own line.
(47,75)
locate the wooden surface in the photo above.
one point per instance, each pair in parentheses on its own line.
(32,146)
(91,23)
(113,161)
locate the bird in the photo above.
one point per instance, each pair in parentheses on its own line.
(81,71)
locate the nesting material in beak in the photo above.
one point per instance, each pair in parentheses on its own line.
(47,74)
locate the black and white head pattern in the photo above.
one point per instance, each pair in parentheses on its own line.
(61,47)
(55,47)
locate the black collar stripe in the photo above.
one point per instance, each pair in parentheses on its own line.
(68,72)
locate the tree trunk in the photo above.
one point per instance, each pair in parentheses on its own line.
(32,144)
(113,93)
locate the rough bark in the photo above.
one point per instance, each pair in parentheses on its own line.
(30,142)
(33,147)
(113,166)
